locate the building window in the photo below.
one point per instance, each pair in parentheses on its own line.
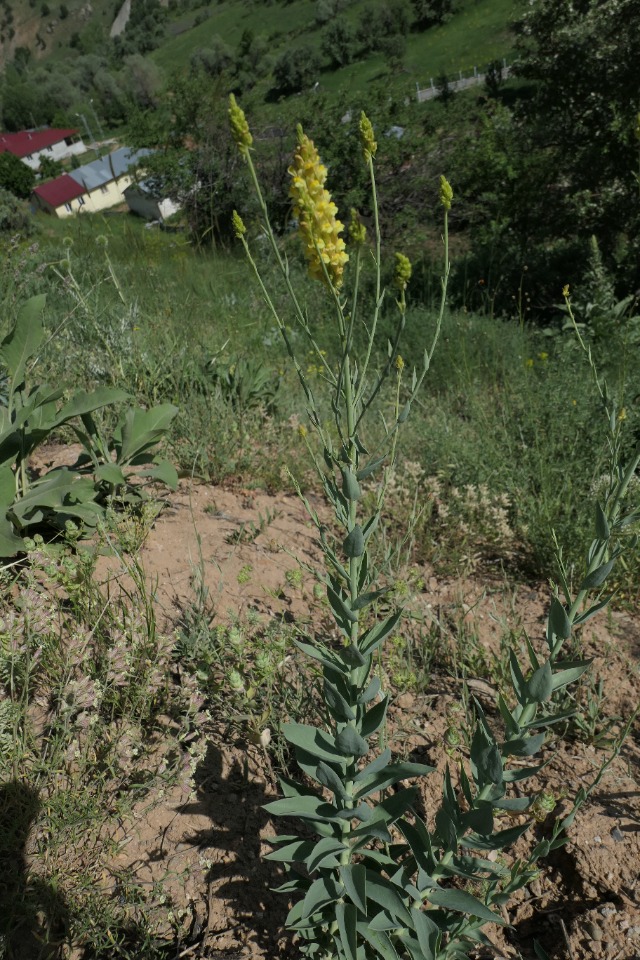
(50,149)
(81,201)
(104,189)
(68,208)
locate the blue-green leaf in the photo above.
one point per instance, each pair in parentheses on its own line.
(354,877)
(347,917)
(462,902)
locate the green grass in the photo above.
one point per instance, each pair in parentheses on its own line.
(476,35)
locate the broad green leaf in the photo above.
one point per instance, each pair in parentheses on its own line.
(375,717)
(354,877)
(324,852)
(372,691)
(142,429)
(340,606)
(110,473)
(353,544)
(376,635)
(330,779)
(8,488)
(559,624)
(350,744)
(523,746)
(427,931)
(386,896)
(570,673)
(597,577)
(24,339)
(10,542)
(370,467)
(517,678)
(540,684)
(313,741)
(86,402)
(350,486)
(375,766)
(306,808)
(486,762)
(347,917)
(294,852)
(602,524)
(162,472)
(339,707)
(596,608)
(380,942)
(497,841)
(322,891)
(462,902)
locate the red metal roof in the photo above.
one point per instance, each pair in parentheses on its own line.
(61,190)
(31,141)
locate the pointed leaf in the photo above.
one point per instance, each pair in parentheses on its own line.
(347,917)
(23,340)
(354,877)
(353,544)
(462,902)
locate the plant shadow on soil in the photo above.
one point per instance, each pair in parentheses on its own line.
(34,917)
(240,882)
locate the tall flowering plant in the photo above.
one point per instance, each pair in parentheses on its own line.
(367,877)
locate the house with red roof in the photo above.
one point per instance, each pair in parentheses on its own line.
(63,196)
(30,145)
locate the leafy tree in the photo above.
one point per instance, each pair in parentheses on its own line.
(14,215)
(214,59)
(383,20)
(583,60)
(50,168)
(16,176)
(430,13)
(338,42)
(295,69)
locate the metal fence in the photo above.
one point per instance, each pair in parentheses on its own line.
(461,83)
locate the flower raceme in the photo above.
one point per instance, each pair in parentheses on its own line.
(316,213)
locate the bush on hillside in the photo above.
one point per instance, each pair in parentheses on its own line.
(14,215)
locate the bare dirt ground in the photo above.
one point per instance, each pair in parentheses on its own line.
(200,841)
(204,838)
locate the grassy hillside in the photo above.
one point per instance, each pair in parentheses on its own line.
(475,35)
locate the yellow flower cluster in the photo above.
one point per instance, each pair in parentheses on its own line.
(402,273)
(367,138)
(446,193)
(239,126)
(316,214)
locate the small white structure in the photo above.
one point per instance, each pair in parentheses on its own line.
(30,145)
(149,201)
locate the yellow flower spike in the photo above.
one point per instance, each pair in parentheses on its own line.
(238,225)
(565,290)
(399,363)
(402,273)
(316,214)
(367,139)
(622,415)
(446,193)
(357,229)
(239,127)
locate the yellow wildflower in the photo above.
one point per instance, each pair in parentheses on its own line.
(316,213)
(238,225)
(367,139)
(446,193)
(543,356)
(622,415)
(399,362)
(239,127)
(403,271)
(565,290)
(528,362)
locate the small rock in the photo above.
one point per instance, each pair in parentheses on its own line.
(617,835)
(535,888)
(597,839)
(594,932)
(607,910)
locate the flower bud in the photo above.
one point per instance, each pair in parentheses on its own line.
(238,225)
(369,145)
(239,127)
(402,273)
(446,193)
(357,229)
